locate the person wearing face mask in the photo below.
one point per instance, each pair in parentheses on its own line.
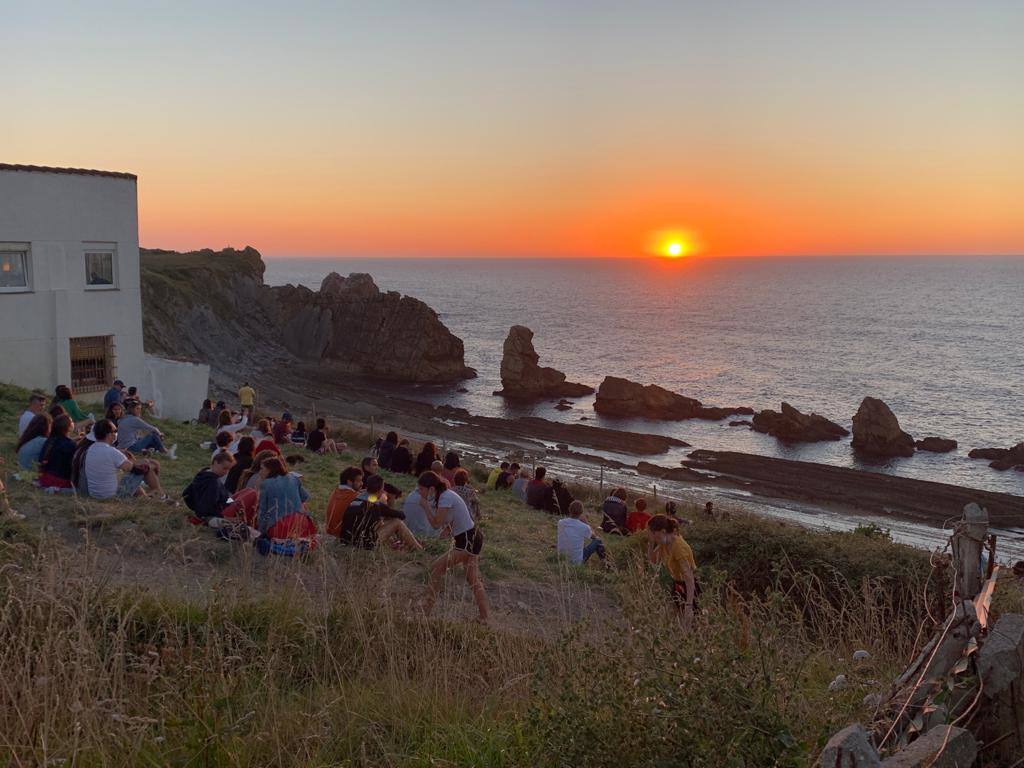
(445,508)
(666,547)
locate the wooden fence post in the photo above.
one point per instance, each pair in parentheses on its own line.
(968,541)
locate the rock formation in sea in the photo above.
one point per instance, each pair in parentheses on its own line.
(1001,458)
(523,378)
(877,432)
(213,307)
(936,444)
(792,426)
(622,398)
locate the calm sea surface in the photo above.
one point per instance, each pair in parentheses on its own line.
(941,340)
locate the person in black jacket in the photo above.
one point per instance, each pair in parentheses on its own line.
(401,459)
(387,450)
(614,513)
(206,495)
(369,521)
(243,460)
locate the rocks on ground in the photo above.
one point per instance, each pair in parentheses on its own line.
(936,444)
(523,378)
(1001,458)
(622,398)
(877,432)
(792,426)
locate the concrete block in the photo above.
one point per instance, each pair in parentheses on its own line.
(943,746)
(850,748)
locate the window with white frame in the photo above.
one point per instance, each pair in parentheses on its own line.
(100,266)
(14,268)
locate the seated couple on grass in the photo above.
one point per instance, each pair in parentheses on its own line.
(96,465)
(359,513)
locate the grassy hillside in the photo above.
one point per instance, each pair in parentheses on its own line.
(129,637)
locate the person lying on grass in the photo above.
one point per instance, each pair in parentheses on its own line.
(576,539)
(443,507)
(103,461)
(667,547)
(369,520)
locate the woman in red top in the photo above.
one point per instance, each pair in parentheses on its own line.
(637,519)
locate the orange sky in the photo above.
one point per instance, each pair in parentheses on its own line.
(575,130)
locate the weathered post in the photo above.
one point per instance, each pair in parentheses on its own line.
(968,541)
(601,485)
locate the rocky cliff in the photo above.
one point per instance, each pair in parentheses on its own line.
(213,306)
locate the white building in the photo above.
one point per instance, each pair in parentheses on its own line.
(70,298)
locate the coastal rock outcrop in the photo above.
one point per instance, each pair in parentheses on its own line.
(792,426)
(622,398)
(877,432)
(936,444)
(213,307)
(1001,458)
(522,377)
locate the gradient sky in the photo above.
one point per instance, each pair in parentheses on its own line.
(535,128)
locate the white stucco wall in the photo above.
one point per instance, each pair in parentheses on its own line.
(59,215)
(177,387)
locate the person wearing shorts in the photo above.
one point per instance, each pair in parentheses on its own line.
(445,508)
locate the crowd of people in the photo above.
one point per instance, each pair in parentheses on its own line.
(250,491)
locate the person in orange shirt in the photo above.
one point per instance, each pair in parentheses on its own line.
(667,547)
(349,484)
(637,520)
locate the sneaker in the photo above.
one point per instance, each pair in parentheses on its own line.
(172,452)
(216,522)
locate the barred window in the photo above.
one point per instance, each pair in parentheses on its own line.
(92,363)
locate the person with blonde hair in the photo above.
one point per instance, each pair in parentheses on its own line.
(665,546)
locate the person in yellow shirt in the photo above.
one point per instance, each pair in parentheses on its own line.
(667,547)
(247,397)
(492,478)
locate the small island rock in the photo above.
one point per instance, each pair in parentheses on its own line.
(1001,458)
(877,432)
(622,398)
(523,378)
(792,426)
(936,444)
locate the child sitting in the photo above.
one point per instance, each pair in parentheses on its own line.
(637,520)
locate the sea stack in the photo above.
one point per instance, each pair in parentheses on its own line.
(792,426)
(877,432)
(522,377)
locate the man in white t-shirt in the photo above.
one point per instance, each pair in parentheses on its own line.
(576,540)
(103,461)
(36,405)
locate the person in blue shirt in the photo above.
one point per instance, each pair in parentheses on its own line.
(115,395)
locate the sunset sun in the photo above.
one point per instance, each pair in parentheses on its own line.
(675,248)
(673,243)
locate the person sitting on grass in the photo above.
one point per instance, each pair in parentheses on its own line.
(36,406)
(263,431)
(445,509)
(243,460)
(253,477)
(114,395)
(282,506)
(57,455)
(520,484)
(115,413)
(227,422)
(387,449)
(282,430)
(371,467)
(667,547)
(637,520)
(576,540)
(614,514)
(426,457)
(369,521)
(206,417)
(401,459)
(460,484)
(103,461)
(206,495)
(539,494)
(415,517)
(350,482)
(492,477)
(138,436)
(507,477)
(320,442)
(299,434)
(64,397)
(222,442)
(30,444)
(451,464)
(438,469)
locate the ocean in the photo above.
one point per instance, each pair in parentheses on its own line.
(938,339)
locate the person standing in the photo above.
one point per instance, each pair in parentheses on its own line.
(443,507)
(667,547)
(247,397)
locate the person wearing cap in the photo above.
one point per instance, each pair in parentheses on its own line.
(283,429)
(115,395)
